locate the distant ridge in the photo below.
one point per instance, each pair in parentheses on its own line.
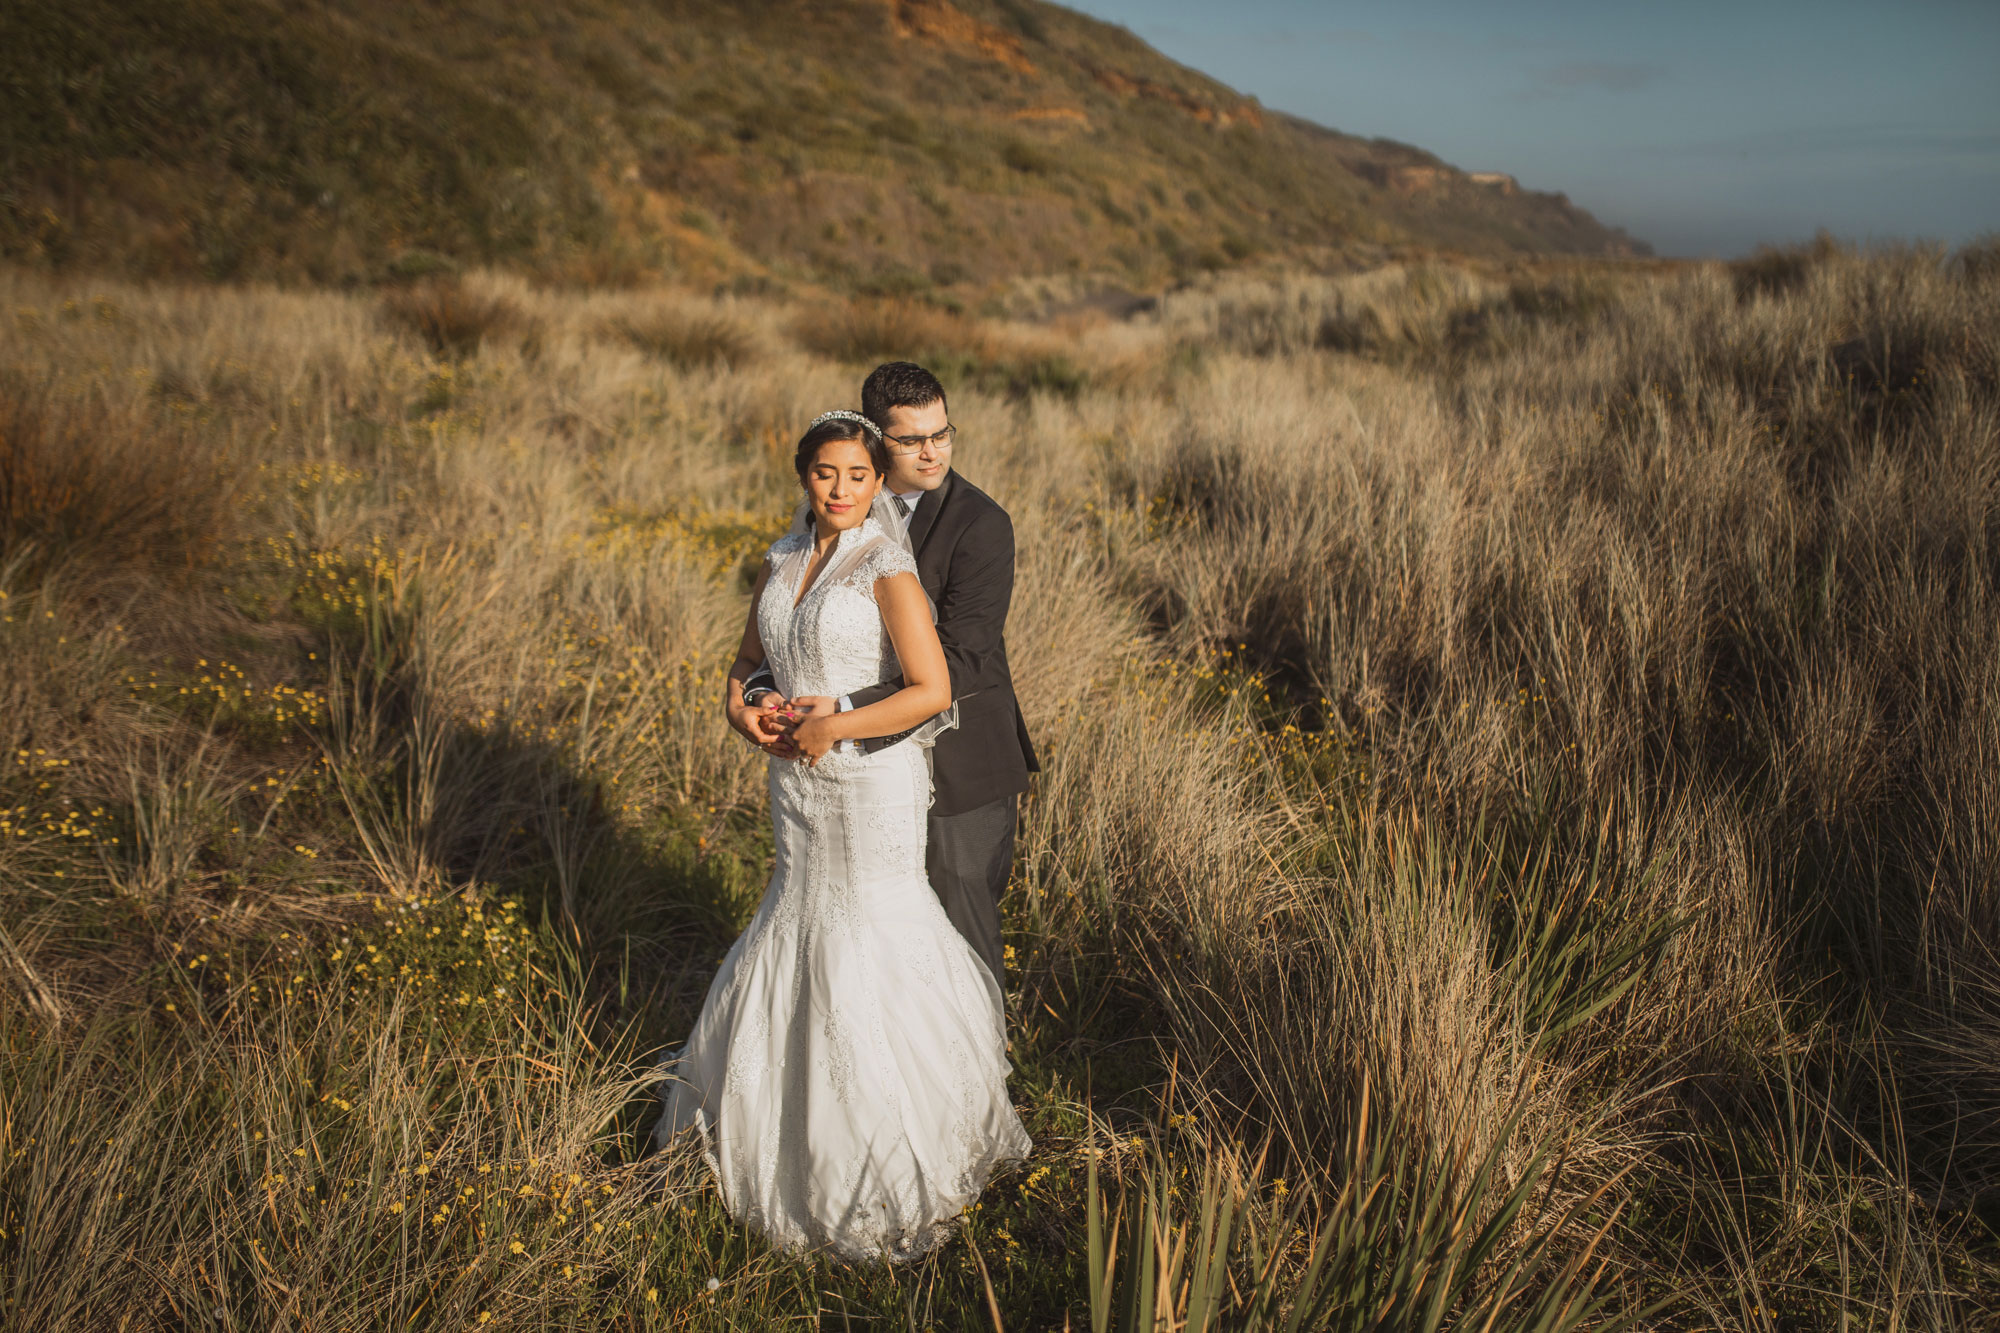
(874,145)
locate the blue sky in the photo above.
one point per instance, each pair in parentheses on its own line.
(1704,128)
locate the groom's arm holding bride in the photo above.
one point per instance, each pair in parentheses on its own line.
(971,620)
(972,607)
(812,726)
(923,691)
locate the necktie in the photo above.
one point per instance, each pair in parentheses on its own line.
(902,507)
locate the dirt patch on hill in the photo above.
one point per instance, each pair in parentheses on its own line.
(939,21)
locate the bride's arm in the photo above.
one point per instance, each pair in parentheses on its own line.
(758,725)
(926,680)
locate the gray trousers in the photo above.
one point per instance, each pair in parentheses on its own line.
(967,860)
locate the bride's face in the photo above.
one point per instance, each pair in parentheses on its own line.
(841,484)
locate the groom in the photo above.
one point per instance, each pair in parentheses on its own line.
(964,545)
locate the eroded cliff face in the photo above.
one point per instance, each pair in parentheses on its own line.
(942,22)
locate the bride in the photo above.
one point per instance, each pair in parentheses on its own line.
(848,1073)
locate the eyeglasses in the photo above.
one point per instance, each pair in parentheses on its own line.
(904,445)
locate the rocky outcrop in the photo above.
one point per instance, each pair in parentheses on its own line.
(939,21)
(1410,181)
(1125,85)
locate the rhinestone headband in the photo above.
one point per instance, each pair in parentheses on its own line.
(842,414)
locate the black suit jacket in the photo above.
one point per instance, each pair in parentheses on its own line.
(965,559)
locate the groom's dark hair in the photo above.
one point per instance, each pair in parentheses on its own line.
(898,384)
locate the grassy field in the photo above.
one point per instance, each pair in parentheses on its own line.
(1517,849)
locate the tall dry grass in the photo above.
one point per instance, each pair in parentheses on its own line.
(1561,703)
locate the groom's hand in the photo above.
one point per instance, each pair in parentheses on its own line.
(763,724)
(814,705)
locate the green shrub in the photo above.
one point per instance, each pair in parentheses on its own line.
(1028,158)
(416,265)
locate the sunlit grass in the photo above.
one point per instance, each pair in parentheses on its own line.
(1540,705)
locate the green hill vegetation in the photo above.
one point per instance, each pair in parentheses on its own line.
(877,145)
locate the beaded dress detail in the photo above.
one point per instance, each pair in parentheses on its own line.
(848,1073)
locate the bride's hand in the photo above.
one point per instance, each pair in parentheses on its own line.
(814,735)
(760,723)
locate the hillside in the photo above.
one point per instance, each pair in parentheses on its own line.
(879,145)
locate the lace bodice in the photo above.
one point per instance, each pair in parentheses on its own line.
(833,642)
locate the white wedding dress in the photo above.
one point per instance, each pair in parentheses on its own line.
(848,1073)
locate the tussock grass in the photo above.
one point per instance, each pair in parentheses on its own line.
(1011,360)
(1405,1234)
(685,338)
(83,479)
(452,317)
(887,330)
(1563,708)
(1774,270)
(1425,314)
(1979,260)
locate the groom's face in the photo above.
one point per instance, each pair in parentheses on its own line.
(926,469)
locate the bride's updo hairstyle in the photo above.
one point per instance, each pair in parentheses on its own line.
(841,426)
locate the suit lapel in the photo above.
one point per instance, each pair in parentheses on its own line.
(925,519)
